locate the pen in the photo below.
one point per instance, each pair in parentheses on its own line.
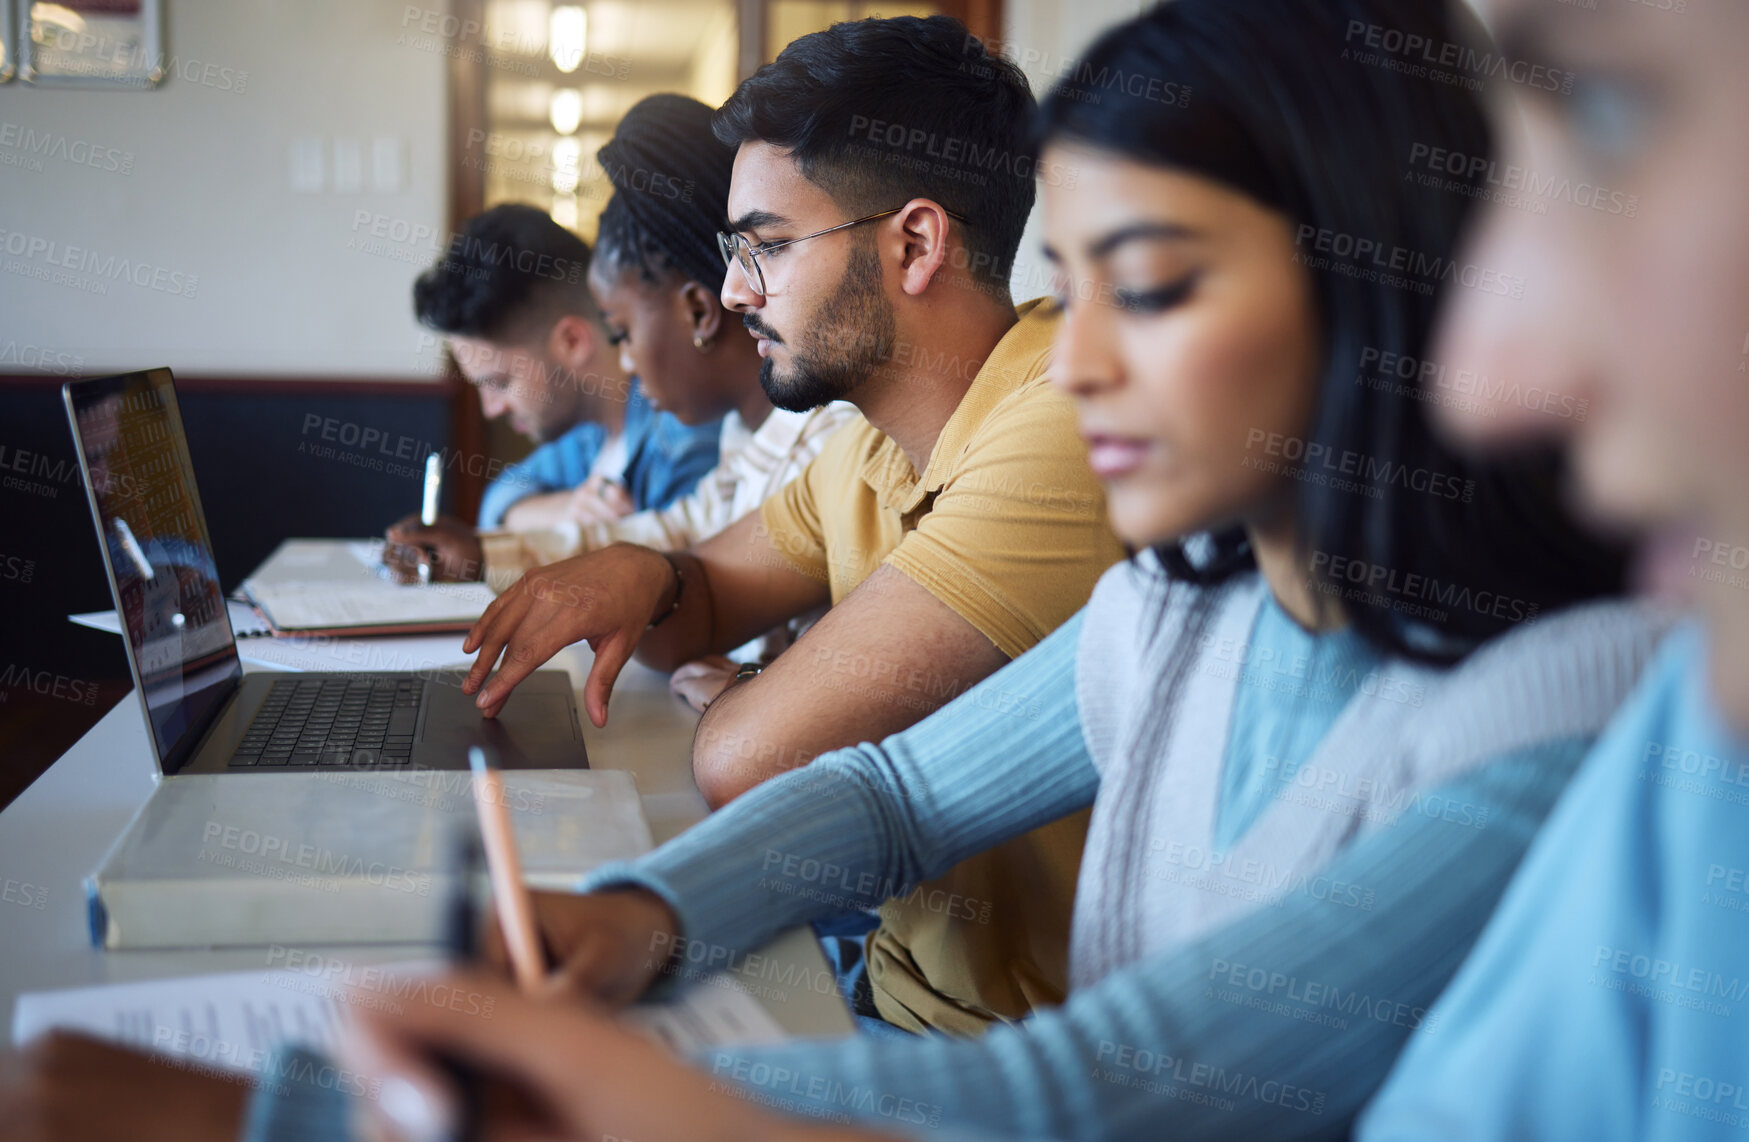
(428,506)
(433,484)
(515,912)
(462,939)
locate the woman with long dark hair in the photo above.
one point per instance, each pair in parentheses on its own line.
(1318,718)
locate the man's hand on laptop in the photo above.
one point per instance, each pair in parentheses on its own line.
(451,547)
(605,947)
(607,598)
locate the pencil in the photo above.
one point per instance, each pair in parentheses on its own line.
(515,911)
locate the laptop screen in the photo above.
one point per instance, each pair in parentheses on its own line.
(159,556)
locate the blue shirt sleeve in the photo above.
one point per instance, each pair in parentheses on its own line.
(877,817)
(1278,1025)
(555,466)
(665,459)
(1609,998)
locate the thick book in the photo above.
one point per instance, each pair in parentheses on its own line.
(338,857)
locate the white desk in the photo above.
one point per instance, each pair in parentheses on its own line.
(55,833)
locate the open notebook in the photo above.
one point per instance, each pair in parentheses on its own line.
(336,586)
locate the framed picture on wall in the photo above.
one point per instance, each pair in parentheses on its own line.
(8,55)
(90,43)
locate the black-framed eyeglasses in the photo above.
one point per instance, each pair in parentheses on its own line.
(737,251)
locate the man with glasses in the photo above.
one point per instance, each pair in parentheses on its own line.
(880,189)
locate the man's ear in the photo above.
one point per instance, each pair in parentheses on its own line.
(923,228)
(704,311)
(573,341)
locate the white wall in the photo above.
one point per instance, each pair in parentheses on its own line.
(1046,37)
(204,191)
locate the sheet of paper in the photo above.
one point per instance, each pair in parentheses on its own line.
(304,555)
(423,653)
(244,621)
(231,1021)
(368,552)
(234,1021)
(325,652)
(713,1013)
(367,602)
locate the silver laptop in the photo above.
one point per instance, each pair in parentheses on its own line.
(202,713)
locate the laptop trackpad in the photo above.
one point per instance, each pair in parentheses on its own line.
(532,731)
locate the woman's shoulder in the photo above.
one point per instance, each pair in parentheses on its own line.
(1562,676)
(1585,641)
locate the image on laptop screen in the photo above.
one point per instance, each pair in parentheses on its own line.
(159,556)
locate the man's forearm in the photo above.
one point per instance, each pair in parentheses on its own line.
(540,510)
(720,736)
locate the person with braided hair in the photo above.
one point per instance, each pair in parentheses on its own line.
(655,276)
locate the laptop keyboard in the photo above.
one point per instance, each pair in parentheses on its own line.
(333,721)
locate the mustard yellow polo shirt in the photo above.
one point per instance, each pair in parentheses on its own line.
(1006,525)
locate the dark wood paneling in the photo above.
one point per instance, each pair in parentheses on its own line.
(982,18)
(751,25)
(420,388)
(467,197)
(272,460)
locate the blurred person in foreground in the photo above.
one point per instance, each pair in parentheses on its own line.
(1609,997)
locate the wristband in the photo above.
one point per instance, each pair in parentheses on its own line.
(679,589)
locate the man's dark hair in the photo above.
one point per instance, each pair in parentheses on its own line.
(508,275)
(880,111)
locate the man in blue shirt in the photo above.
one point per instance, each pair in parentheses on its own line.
(511,300)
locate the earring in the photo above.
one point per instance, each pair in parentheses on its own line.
(700,343)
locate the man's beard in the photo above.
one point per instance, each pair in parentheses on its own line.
(851,336)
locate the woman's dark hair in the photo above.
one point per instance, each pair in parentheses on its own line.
(1312,108)
(670,176)
(621,243)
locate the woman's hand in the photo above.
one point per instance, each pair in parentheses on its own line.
(599,500)
(554,1071)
